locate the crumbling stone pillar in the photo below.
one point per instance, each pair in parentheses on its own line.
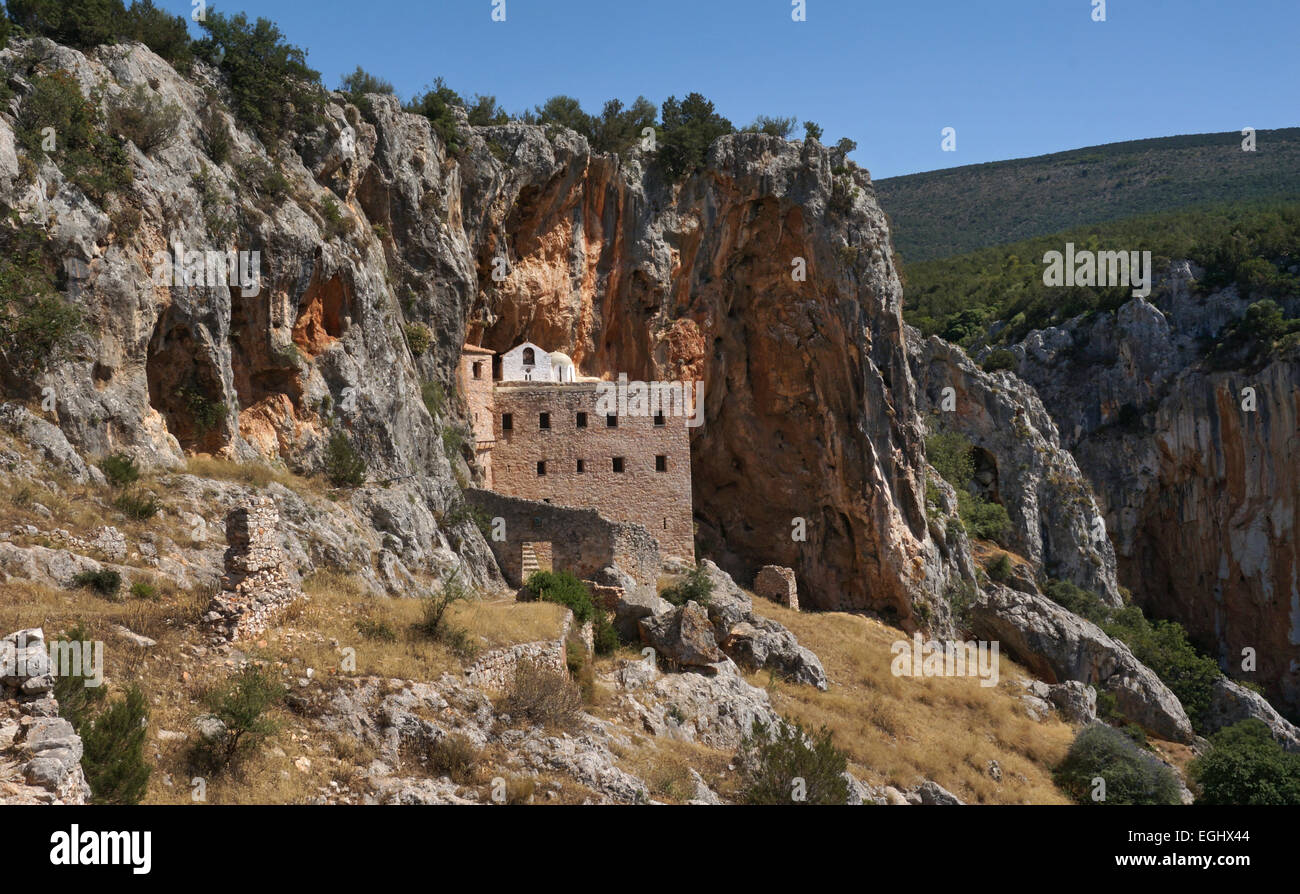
(259,581)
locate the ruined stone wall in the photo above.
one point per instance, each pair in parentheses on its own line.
(259,580)
(658,501)
(582,542)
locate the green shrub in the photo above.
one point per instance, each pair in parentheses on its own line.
(773,126)
(343,465)
(1131,775)
(241,706)
(84,24)
(564,588)
(272,89)
(695,587)
(83,149)
(418,337)
(952,457)
(436,103)
(812,131)
(434,397)
(120,469)
(336,224)
(78,701)
(36,323)
(217,140)
(982,518)
(105,582)
(1160,645)
(137,507)
(782,764)
(484,111)
(359,84)
(689,128)
(144,119)
(998,360)
(1246,766)
(433,623)
(142,590)
(113,751)
(1000,568)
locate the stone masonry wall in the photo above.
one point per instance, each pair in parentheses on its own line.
(582,542)
(259,580)
(477,391)
(658,501)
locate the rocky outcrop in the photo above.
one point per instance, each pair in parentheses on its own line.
(1019,463)
(1201,493)
(1057,645)
(1231,703)
(40,752)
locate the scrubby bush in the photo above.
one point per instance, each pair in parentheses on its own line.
(436,103)
(434,606)
(544,695)
(695,587)
(82,148)
(343,465)
(162,32)
(1131,776)
(1246,766)
(812,131)
(217,140)
(998,360)
(78,702)
(953,457)
(1000,568)
(418,338)
(84,24)
(144,119)
(137,507)
(113,750)
(105,581)
(272,89)
(358,86)
(240,708)
(788,765)
(434,397)
(454,756)
(376,629)
(775,127)
(142,590)
(120,469)
(563,588)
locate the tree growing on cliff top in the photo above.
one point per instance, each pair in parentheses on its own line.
(267,76)
(689,127)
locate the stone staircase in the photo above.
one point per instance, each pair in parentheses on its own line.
(528,563)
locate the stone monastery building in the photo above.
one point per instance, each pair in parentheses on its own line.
(538,436)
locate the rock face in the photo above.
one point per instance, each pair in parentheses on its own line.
(259,581)
(1058,646)
(1232,703)
(1019,463)
(40,753)
(1201,496)
(810,417)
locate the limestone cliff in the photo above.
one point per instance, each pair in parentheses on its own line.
(810,408)
(1200,486)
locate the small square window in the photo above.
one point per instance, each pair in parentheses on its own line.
(544,421)
(541,467)
(478,369)
(659,420)
(618,464)
(661,463)
(582,420)
(611,422)
(582,466)
(507,422)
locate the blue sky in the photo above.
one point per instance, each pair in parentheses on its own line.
(1015,78)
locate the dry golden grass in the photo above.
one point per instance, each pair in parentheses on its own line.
(665,764)
(252,474)
(898,730)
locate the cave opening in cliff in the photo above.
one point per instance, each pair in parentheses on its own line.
(985,480)
(184,386)
(261,370)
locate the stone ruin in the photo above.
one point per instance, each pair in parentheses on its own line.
(776,582)
(259,581)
